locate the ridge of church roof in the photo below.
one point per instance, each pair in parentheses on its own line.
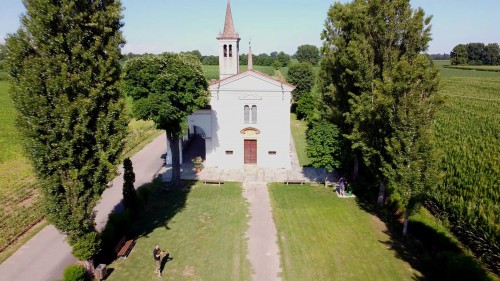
(228,32)
(215,82)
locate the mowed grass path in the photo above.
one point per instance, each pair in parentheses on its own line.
(203,231)
(298,129)
(323,237)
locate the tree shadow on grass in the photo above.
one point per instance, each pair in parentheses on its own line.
(161,203)
(434,254)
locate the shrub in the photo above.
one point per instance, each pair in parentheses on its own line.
(87,246)
(323,146)
(307,107)
(74,272)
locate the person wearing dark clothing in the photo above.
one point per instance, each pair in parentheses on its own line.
(157,257)
(342,183)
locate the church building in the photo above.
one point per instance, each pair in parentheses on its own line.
(248,120)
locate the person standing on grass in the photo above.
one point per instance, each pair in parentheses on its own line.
(157,257)
(342,183)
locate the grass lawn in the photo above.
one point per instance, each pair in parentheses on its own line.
(203,231)
(323,237)
(298,128)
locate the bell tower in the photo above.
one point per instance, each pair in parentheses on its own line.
(229,46)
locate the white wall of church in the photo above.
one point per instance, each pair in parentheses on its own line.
(273,122)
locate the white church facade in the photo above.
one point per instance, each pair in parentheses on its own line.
(248,120)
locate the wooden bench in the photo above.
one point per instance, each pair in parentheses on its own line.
(218,182)
(301,182)
(124,247)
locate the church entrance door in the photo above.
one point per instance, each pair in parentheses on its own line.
(250,152)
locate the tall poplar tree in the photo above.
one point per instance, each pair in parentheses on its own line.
(63,61)
(377,81)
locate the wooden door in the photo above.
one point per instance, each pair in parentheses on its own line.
(250,151)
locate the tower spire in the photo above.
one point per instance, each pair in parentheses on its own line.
(228,24)
(229,47)
(250,58)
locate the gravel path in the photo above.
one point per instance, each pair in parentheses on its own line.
(263,251)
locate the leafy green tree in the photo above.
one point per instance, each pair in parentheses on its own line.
(411,172)
(307,106)
(475,52)
(86,247)
(243,59)
(263,59)
(283,58)
(195,53)
(302,76)
(323,142)
(2,52)
(167,88)
(65,73)
(210,60)
(130,198)
(277,64)
(308,53)
(365,45)
(491,54)
(459,55)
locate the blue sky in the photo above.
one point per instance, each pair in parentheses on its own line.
(157,26)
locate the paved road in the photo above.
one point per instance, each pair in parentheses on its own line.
(45,256)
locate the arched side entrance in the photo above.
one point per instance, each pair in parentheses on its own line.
(196,145)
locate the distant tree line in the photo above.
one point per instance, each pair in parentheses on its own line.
(305,53)
(443,56)
(272,59)
(475,54)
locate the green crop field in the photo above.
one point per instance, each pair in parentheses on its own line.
(446,71)
(19,207)
(467,129)
(491,68)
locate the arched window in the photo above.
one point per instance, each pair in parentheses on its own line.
(230,51)
(225,50)
(246,114)
(254,114)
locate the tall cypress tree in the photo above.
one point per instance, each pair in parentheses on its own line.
(63,61)
(130,198)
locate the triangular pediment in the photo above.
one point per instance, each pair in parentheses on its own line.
(250,97)
(251,81)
